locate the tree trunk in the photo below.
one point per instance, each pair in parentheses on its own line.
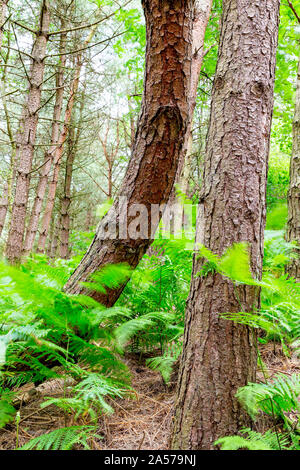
(25,139)
(49,155)
(7,187)
(66,201)
(3,4)
(60,147)
(293,226)
(201,17)
(219,356)
(3,206)
(158,142)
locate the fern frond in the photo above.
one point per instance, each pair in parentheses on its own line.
(62,439)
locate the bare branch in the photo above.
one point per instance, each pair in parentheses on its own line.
(91,45)
(91,24)
(294,11)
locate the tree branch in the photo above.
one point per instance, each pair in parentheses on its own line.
(294,11)
(90,24)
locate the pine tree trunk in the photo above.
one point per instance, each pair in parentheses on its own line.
(219,356)
(201,17)
(7,189)
(66,200)
(49,155)
(25,139)
(3,205)
(159,138)
(293,226)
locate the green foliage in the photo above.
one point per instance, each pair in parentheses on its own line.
(110,276)
(88,397)
(62,439)
(233,264)
(270,440)
(7,411)
(277,252)
(279,397)
(278,181)
(286,73)
(279,314)
(42,327)
(277,217)
(156,296)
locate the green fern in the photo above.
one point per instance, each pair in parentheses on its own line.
(255,441)
(279,397)
(7,411)
(164,364)
(62,439)
(89,396)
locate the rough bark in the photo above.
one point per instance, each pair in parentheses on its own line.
(293,225)
(201,17)
(3,205)
(159,138)
(25,139)
(219,356)
(60,147)
(49,155)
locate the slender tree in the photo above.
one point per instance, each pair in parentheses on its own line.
(110,155)
(3,4)
(201,17)
(5,200)
(25,139)
(49,154)
(58,153)
(159,139)
(65,219)
(293,225)
(219,356)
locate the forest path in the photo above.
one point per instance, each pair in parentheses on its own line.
(141,421)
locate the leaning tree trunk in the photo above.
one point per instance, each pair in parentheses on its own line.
(158,142)
(201,17)
(25,139)
(49,155)
(218,355)
(293,226)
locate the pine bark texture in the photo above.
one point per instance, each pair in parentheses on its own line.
(159,138)
(201,16)
(293,226)
(219,356)
(25,139)
(49,155)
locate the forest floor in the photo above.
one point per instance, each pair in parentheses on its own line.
(140,422)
